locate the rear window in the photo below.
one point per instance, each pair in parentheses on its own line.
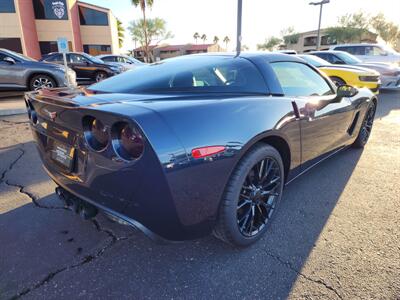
(189,74)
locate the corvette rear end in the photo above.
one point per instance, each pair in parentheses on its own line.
(90,154)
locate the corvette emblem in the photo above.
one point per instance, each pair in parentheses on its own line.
(58,9)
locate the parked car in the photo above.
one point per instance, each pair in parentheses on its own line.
(196,144)
(390,75)
(88,68)
(370,52)
(124,61)
(340,75)
(19,72)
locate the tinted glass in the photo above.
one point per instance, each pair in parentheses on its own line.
(314,60)
(7,6)
(374,51)
(92,17)
(109,59)
(348,58)
(97,49)
(13,44)
(76,59)
(50,9)
(189,74)
(300,80)
(55,58)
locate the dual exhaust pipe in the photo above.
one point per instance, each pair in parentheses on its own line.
(80,207)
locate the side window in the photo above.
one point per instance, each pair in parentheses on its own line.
(374,51)
(300,80)
(77,59)
(108,59)
(325,56)
(120,59)
(55,58)
(336,60)
(2,56)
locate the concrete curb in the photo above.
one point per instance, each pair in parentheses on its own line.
(12,111)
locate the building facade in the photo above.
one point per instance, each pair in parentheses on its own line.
(32,27)
(307,41)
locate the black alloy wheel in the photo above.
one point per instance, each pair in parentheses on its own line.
(258,196)
(366,127)
(251,196)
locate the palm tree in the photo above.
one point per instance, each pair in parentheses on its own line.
(216,40)
(196,35)
(143,5)
(121,33)
(226,40)
(204,38)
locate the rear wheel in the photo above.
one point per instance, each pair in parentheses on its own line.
(41,81)
(337,80)
(251,197)
(100,76)
(366,127)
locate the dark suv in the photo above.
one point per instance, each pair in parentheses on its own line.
(87,67)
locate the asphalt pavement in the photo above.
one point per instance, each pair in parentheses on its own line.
(336,235)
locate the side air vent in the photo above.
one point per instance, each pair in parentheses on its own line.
(353,124)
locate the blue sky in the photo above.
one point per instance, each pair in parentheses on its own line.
(261,18)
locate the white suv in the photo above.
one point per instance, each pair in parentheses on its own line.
(370,52)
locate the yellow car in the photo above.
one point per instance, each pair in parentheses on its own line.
(351,75)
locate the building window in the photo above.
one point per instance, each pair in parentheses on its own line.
(50,9)
(90,16)
(327,40)
(48,47)
(13,44)
(310,41)
(97,49)
(7,6)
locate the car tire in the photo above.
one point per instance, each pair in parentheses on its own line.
(100,76)
(231,222)
(366,127)
(41,81)
(337,80)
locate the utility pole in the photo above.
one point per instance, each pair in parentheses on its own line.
(239,28)
(321,3)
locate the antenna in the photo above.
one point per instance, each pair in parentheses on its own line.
(239,28)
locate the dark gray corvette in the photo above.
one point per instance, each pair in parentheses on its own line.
(196,144)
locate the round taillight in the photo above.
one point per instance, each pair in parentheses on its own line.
(96,133)
(128,142)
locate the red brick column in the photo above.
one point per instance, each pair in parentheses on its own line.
(74,12)
(28,27)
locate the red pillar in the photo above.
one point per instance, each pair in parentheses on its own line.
(28,26)
(76,29)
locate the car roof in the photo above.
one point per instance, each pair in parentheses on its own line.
(327,51)
(359,44)
(268,56)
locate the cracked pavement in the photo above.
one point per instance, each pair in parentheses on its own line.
(336,235)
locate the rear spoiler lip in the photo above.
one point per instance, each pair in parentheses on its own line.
(51,97)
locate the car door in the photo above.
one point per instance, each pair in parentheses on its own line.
(81,66)
(11,74)
(324,118)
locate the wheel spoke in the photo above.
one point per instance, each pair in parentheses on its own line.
(246,201)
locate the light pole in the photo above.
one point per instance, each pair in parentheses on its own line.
(239,28)
(320,3)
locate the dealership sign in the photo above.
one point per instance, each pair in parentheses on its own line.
(58,9)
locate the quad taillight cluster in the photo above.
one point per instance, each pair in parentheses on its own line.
(126,140)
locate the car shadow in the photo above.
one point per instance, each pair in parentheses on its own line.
(38,241)
(388,101)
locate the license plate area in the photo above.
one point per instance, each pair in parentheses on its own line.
(62,154)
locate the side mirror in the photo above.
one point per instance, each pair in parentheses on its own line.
(346,91)
(9,60)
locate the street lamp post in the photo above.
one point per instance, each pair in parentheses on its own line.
(320,3)
(239,28)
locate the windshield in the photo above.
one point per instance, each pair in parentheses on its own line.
(93,59)
(348,58)
(315,60)
(19,55)
(388,49)
(196,73)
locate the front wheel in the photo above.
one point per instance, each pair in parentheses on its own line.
(100,76)
(251,197)
(41,81)
(366,127)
